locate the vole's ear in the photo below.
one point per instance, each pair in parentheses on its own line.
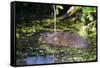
(55,38)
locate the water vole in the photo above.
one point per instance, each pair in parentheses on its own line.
(64,39)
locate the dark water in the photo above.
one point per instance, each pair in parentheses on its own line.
(36,60)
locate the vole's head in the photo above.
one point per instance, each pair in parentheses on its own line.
(49,38)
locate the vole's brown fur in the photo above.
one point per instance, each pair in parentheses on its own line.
(64,39)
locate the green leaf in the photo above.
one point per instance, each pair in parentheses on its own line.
(88,10)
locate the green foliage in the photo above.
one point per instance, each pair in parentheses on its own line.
(88,10)
(87,13)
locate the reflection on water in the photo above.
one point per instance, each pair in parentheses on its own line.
(31,60)
(39,60)
(36,60)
